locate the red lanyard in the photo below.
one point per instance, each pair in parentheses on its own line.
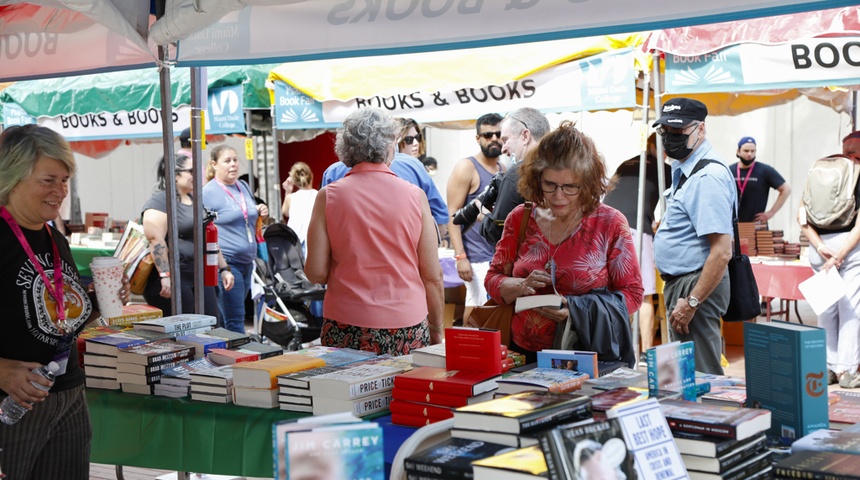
(743,186)
(57,290)
(241,195)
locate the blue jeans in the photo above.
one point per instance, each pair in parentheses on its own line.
(232,302)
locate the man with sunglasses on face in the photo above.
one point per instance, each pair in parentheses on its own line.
(468,179)
(693,245)
(521,133)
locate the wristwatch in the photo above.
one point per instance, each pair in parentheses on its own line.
(693,302)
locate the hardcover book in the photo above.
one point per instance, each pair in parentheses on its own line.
(649,440)
(507,439)
(101,372)
(523,412)
(212,397)
(176,323)
(203,343)
(137,389)
(153,353)
(544,379)
(672,367)
(537,301)
(360,406)
(450,459)
(571,449)
(102,383)
(137,312)
(351,450)
(181,374)
(345,356)
(786,373)
(405,407)
(734,396)
(707,445)
(280,429)
(354,382)
(263,373)
(234,339)
(819,465)
(453,382)
(96,360)
(145,369)
(301,379)
(577,360)
(828,441)
(728,460)
(249,352)
(845,411)
(429,356)
(607,399)
(413,421)
(222,376)
(253,397)
(111,343)
(440,399)
(622,377)
(753,468)
(473,349)
(716,420)
(522,464)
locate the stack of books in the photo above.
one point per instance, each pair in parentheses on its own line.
(247,352)
(449,459)
(140,367)
(255,384)
(518,420)
(177,325)
(764,242)
(718,441)
(294,393)
(361,390)
(746,234)
(100,357)
(176,381)
(544,379)
(213,385)
(428,394)
(619,378)
(845,411)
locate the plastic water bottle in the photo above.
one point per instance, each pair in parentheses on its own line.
(10,410)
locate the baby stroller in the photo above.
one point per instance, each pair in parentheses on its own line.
(286,291)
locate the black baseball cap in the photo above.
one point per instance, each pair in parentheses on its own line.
(680,112)
(185,138)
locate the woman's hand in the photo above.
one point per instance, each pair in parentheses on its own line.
(165,287)
(263,210)
(436,337)
(227,279)
(125,290)
(15,378)
(513,288)
(556,315)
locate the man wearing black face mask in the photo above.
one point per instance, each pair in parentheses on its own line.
(694,242)
(754,181)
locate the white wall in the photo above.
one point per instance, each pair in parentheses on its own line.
(789,138)
(120,183)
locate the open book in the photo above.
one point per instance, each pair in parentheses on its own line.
(132,247)
(536,301)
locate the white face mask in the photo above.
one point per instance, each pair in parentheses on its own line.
(431,172)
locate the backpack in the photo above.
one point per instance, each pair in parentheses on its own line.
(829,194)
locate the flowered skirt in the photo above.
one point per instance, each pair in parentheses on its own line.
(391,341)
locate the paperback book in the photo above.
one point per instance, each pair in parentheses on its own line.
(301,380)
(153,353)
(450,459)
(203,343)
(672,367)
(786,373)
(537,301)
(577,360)
(819,465)
(507,439)
(253,397)
(717,420)
(360,407)
(249,352)
(571,449)
(521,464)
(346,356)
(351,450)
(176,323)
(111,343)
(523,412)
(234,339)
(544,379)
(264,373)
(828,441)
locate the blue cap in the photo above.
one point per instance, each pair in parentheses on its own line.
(746,140)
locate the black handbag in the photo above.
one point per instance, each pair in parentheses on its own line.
(744,300)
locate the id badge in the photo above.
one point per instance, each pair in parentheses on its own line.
(250,235)
(62,356)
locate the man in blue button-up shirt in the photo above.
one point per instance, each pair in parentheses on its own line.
(694,242)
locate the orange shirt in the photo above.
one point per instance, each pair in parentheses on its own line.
(374,224)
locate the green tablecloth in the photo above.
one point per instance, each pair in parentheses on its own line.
(84,256)
(179,434)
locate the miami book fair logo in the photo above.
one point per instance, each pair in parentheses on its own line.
(294,107)
(703,73)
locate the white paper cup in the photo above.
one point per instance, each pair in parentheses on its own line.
(106,261)
(108,282)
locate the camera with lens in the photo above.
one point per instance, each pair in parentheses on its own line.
(485,201)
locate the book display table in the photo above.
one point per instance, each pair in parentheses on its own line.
(187,436)
(780,282)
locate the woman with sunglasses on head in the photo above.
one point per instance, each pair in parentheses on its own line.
(411,140)
(573,244)
(158,287)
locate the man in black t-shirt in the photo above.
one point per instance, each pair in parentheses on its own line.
(754,181)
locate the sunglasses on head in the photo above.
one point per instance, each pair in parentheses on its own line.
(490,135)
(409,139)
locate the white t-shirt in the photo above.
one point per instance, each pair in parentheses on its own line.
(301,206)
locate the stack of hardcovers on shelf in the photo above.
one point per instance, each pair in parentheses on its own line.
(516,420)
(214,385)
(255,384)
(473,361)
(720,442)
(140,367)
(176,381)
(102,345)
(829,454)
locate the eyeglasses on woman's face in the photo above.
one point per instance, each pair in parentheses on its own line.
(567,189)
(410,139)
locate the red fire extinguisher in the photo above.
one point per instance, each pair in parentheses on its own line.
(210,270)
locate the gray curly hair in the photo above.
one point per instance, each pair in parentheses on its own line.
(367,135)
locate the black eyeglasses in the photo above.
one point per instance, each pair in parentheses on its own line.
(662,130)
(567,189)
(517,119)
(409,139)
(490,135)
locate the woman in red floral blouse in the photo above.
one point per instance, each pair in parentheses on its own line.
(585,243)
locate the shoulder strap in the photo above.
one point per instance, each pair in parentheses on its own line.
(524,223)
(702,164)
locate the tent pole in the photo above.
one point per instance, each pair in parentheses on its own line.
(640,199)
(198,92)
(855,115)
(170,185)
(250,153)
(658,105)
(276,170)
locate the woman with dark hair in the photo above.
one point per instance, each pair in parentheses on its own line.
(372,239)
(573,243)
(158,287)
(411,140)
(237,213)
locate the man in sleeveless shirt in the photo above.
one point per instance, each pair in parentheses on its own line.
(754,181)
(468,179)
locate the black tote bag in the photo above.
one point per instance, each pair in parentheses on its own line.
(744,300)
